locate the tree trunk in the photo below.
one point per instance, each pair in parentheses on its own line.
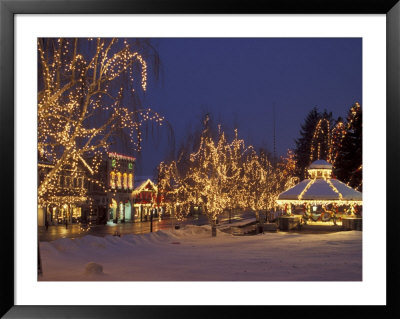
(257,222)
(214,227)
(214,230)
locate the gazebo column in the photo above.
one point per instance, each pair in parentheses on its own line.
(289,211)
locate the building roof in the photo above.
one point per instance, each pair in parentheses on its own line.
(320,164)
(86,164)
(144,186)
(121,156)
(320,190)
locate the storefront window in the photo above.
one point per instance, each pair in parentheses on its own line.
(130,181)
(112,180)
(119,184)
(125,181)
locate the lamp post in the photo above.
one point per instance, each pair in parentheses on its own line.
(151,220)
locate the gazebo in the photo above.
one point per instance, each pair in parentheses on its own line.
(320,190)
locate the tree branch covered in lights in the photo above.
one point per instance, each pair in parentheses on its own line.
(348,164)
(88,93)
(340,145)
(222,175)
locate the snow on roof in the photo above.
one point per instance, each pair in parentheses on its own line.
(143,185)
(320,190)
(320,164)
(140,179)
(347,192)
(295,191)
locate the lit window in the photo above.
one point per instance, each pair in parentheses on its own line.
(112,180)
(119,185)
(125,181)
(130,181)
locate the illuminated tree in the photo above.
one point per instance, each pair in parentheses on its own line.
(211,175)
(314,142)
(303,143)
(337,136)
(321,141)
(340,145)
(264,182)
(235,187)
(286,172)
(348,165)
(88,94)
(221,175)
(209,179)
(256,180)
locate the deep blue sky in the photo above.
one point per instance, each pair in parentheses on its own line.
(240,80)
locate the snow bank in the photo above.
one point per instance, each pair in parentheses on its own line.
(92,268)
(191,254)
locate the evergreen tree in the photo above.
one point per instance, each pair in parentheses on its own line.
(303,144)
(349,160)
(337,135)
(314,142)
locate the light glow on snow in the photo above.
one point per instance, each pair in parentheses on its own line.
(191,254)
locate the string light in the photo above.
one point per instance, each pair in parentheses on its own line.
(80,108)
(222,176)
(319,173)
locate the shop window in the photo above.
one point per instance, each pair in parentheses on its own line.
(125,181)
(112,180)
(130,181)
(119,184)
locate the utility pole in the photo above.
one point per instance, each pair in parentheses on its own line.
(273,116)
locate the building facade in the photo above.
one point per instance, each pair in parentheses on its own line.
(104,196)
(120,180)
(65,198)
(147,201)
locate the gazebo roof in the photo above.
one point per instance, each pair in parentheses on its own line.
(321,189)
(320,164)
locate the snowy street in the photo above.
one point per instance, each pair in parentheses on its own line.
(75,231)
(191,254)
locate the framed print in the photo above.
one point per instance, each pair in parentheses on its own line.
(167,159)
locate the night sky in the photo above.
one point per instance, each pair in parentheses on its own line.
(240,80)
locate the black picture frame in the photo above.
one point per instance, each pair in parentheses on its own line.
(8,9)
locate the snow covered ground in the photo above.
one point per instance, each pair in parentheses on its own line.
(191,254)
